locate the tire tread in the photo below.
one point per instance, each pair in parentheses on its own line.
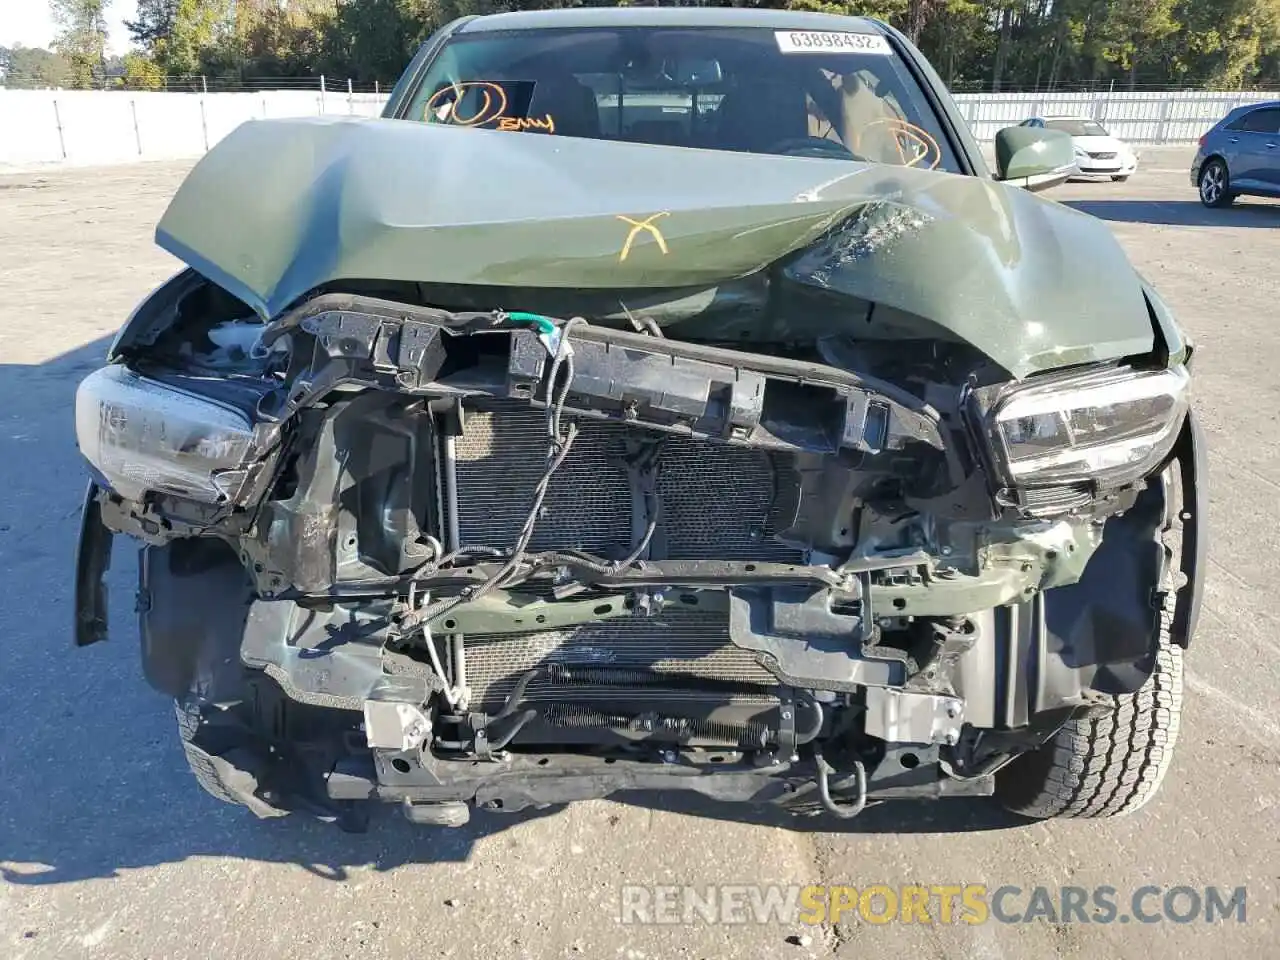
(188,717)
(1110,765)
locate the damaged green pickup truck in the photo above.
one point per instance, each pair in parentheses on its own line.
(652,399)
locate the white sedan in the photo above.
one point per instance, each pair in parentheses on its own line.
(1098,153)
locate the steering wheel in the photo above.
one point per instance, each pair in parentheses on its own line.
(812,147)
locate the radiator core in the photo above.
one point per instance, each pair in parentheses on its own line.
(715,499)
(715,505)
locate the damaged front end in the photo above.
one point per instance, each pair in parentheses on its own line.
(452,556)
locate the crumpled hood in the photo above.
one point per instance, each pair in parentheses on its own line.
(280,207)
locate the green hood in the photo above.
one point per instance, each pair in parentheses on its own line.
(281,207)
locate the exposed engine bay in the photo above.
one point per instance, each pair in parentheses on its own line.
(594,559)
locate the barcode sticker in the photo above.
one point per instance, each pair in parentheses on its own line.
(810,41)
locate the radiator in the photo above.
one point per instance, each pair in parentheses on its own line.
(715,504)
(715,499)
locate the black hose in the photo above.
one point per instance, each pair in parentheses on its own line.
(635,677)
(517,725)
(576,716)
(640,677)
(517,692)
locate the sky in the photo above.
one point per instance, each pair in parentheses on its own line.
(29,23)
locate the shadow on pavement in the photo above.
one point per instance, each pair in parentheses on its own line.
(1181,213)
(94,779)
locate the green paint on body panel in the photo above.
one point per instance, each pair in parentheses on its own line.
(282,207)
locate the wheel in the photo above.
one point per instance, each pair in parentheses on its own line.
(202,768)
(1104,766)
(1215,184)
(222,774)
(1110,764)
(263,751)
(1121,179)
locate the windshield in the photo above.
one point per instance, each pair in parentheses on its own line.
(839,95)
(1078,128)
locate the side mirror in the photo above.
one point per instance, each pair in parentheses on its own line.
(1033,157)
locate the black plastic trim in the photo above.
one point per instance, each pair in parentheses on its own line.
(1193,462)
(93,559)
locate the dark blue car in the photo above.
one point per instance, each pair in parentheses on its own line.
(1240,156)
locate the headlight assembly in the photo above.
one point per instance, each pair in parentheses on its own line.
(1110,428)
(144,435)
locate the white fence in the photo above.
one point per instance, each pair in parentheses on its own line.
(1148,117)
(93,126)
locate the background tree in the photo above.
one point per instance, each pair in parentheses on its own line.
(35,67)
(81,38)
(142,73)
(179,35)
(152,23)
(376,36)
(974,44)
(1134,31)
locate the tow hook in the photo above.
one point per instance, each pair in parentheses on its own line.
(843,811)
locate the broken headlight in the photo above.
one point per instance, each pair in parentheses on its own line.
(143,435)
(1109,428)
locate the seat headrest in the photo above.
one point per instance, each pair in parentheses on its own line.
(759,113)
(571,104)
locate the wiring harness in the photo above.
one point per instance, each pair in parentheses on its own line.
(520,564)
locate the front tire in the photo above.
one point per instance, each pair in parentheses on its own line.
(1120,179)
(1109,765)
(210,780)
(1215,185)
(1111,762)
(221,759)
